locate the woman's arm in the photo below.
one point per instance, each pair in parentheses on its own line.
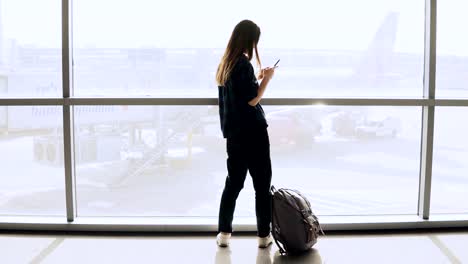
(261,91)
(267,75)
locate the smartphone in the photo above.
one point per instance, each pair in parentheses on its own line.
(276,63)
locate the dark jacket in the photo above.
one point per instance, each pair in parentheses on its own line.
(236,115)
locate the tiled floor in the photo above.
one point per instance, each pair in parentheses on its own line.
(450,247)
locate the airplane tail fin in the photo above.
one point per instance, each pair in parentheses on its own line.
(380,50)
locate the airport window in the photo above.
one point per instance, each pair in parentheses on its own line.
(156,48)
(450,180)
(30,48)
(349,125)
(452,50)
(31,151)
(349,160)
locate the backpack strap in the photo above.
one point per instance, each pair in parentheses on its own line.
(275,230)
(281,249)
(272,190)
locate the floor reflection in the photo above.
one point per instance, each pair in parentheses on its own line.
(264,256)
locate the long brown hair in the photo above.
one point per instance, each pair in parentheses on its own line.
(244,39)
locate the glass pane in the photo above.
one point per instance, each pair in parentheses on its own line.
(171,160)
(349,160)
(158,48)
(30,47)
(452,49)
(450,179)
(32,170)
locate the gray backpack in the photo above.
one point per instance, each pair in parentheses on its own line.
(295,228)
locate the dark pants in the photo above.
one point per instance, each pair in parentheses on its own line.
(249,151)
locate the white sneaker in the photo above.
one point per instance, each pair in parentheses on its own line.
(264,242)
(223,240)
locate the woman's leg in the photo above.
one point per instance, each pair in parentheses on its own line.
(260,170)
(237,171)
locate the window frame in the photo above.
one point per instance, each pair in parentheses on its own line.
(428,103)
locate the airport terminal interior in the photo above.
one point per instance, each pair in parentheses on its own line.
(111,149)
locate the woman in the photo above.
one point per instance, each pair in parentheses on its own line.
(244,126)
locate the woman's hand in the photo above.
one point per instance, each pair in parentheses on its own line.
(261,75)
(268,72)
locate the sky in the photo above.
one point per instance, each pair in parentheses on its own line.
(310,24)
